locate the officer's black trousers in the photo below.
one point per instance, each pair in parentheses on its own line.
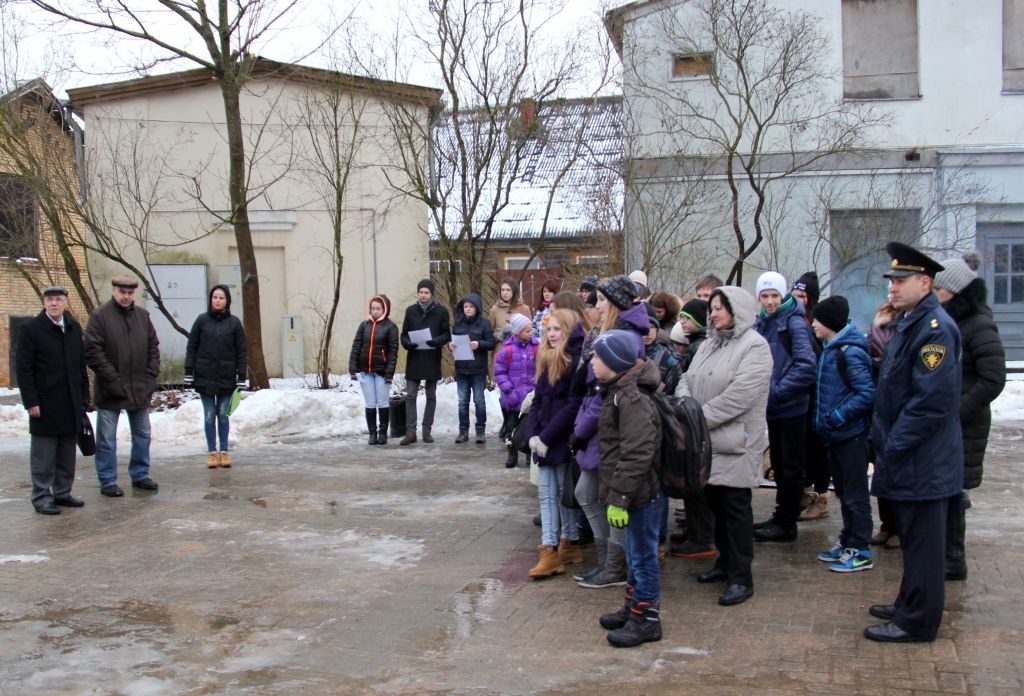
(922,526)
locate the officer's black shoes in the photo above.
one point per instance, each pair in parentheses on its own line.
(891,633)
(716,574)
(883,611)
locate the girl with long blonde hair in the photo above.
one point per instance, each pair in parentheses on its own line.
(550,424)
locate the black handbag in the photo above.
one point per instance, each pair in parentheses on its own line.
(86,437)
(520,438)
(569,481)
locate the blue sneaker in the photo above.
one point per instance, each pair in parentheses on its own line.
(832,555)
(852,561)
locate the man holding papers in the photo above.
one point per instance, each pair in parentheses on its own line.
(425,331)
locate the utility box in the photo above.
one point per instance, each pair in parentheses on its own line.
(292,355)
(184,292)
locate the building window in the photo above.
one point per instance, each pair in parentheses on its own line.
(19,236)
(692,65)
(1013,46)
(880,49)
(518,263)
(438,265)
(1008,274)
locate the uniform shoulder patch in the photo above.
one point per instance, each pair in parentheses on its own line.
(932,355)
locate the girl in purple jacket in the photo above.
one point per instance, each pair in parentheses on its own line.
(514,366)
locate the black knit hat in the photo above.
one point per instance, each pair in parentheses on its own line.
(697,311)
(808,282)
(589,283)
(619,290)
(425,283)
(833,312)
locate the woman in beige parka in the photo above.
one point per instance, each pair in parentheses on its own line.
(730,377)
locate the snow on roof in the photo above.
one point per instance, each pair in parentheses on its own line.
(574,149)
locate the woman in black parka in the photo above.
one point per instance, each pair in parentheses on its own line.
(215,363)
(963,295)
(372,362)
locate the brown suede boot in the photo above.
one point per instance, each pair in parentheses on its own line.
(212,460)
(547,563)
(569,551)
(817,510)
(225,460)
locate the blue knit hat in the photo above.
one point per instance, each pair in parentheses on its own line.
(617,349)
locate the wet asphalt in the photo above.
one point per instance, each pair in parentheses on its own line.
(332,567)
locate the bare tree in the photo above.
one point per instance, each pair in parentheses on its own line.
(229,35)
(498,69)
(331,115)
(756,110)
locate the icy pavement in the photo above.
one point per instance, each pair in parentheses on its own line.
(326,566)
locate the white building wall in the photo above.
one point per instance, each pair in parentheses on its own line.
(180,147)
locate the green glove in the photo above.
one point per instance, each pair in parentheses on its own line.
(618,517)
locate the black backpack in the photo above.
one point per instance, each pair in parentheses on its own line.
(685,445)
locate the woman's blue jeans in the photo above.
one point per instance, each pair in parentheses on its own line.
(215,419)
(376,391)
(555,519)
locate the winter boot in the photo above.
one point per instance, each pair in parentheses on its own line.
(212,460)
(225,459)
(462,437)
(956,551)
(601,547)
(612,573)
(409,439)
(818,509)
(427,437)
(807,498)
(385,421)
(481,435)
(569,551)
(512,459)
(643,626)
(547,563)
(618,619)
(371,425)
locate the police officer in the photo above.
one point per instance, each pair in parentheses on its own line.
(916,434)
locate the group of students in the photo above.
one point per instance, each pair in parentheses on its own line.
(777,371)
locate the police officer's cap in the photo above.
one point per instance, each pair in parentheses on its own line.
(906,260)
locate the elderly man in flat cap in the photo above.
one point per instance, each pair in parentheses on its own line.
(919,451)
(123,352)
(55,391)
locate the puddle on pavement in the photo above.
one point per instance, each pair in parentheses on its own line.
(515,568)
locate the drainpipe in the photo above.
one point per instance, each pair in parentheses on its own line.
(79,136)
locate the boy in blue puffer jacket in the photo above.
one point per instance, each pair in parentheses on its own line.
(846,396)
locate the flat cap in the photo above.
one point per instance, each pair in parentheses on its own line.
(124,281)
(906,260)
(55,290)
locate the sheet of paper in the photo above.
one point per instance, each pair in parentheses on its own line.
(420,338)
(462,349)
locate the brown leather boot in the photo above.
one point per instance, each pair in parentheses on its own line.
(409,439)
(547,563)
(569,551)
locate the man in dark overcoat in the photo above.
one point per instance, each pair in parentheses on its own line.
(55,392)
(423,363)
(122,349)
(918,445)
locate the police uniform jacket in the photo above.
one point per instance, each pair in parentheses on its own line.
(51,375)
(915,429)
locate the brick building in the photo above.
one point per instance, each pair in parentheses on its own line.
(38,179)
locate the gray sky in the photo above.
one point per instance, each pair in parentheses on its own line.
(100,58)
